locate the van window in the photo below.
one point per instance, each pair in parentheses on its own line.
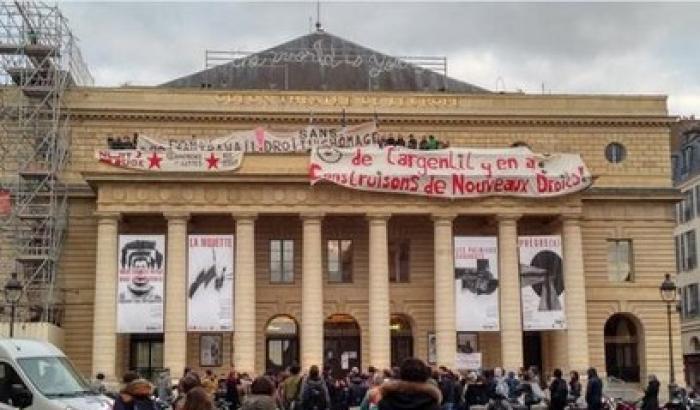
(8,377)
(54,376)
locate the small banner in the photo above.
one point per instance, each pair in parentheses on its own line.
(450,173)
(210,283)
(542,282)
(141,270)
(476,283)
(171,160)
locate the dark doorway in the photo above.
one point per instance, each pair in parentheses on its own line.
(282,344)
(532,349)
(401,339)
(341,344)
(622,348)
(146,355)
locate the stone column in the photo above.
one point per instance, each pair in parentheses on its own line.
(445,322)
(104,328)
(379,311)
(312,292)
(244,294)
(575,295)
(510,307)
(175,335)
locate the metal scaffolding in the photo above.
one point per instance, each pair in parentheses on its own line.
(40,60)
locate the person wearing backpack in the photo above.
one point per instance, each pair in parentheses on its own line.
(357,389)
(314,393)
(558,392)
(291,388)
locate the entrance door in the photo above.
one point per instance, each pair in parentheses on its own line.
(622,348)
(532,349)
(401,340)
(341,344)
(146,355)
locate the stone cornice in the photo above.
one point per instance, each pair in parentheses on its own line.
(413,119)
(637,194)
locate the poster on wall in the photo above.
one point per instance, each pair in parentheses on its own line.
(211,350)
(141,272)
(476,283)
(468,355)
(210,283)
(542,282)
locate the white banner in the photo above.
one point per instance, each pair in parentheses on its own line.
(468,361)
(141,269)
(210,283)
(450,173)
(542,282)
(170,160)
(476,283)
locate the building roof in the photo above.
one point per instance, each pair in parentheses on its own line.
(321,61)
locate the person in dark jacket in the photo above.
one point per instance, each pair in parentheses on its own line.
(574,387)
(135,396)
(232,384)
(314,392)
(513,384)
(650,401)
(357,389)
(411,391)
(558,392)
(594,391)
(447,386)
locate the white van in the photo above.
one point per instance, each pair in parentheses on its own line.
(37,375)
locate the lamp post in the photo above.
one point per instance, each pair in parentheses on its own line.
(13,293)
(668,295)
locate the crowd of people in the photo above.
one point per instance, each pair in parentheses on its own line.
(425,143)
(413,385)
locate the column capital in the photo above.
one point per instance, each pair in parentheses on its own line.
(107,216)
(311,216)
(378,216)
(443,217)
(508,218)
(246,216)
(176,216)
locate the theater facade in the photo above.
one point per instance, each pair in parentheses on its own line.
(217,224)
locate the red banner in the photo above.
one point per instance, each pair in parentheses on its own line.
(5,202)
(450,173)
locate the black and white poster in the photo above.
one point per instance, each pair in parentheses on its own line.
(542,282)
(210,283)
(476,283)
(141,272)
(211,350)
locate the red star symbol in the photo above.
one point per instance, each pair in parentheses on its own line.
(154,161)
(212,161)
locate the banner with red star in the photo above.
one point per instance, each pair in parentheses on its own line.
(168,160)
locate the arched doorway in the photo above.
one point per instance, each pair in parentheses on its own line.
(341,344)
(622,348)
(401,339)
(282,343)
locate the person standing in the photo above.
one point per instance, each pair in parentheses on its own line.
(198,399)
(314,393)
(558,392)
(232,383)
(412,391)
(650,401)
(594,390)
(209,383)
(291,388)
(260,397)
(574,387)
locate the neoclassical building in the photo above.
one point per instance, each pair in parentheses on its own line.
(346,276)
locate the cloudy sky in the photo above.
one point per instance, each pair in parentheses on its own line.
(570,48)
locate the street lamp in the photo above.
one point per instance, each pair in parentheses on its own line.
(13,293)
(668,295)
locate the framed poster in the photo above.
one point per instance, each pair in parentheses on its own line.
(210,283)
(211,350)
(467,342)
(542,289)
(476,283)
(432,348)
(140,277)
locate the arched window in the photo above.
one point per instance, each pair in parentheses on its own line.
(401,339)
(282,342)
(622,348)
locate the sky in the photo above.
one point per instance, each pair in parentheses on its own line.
(563,48)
